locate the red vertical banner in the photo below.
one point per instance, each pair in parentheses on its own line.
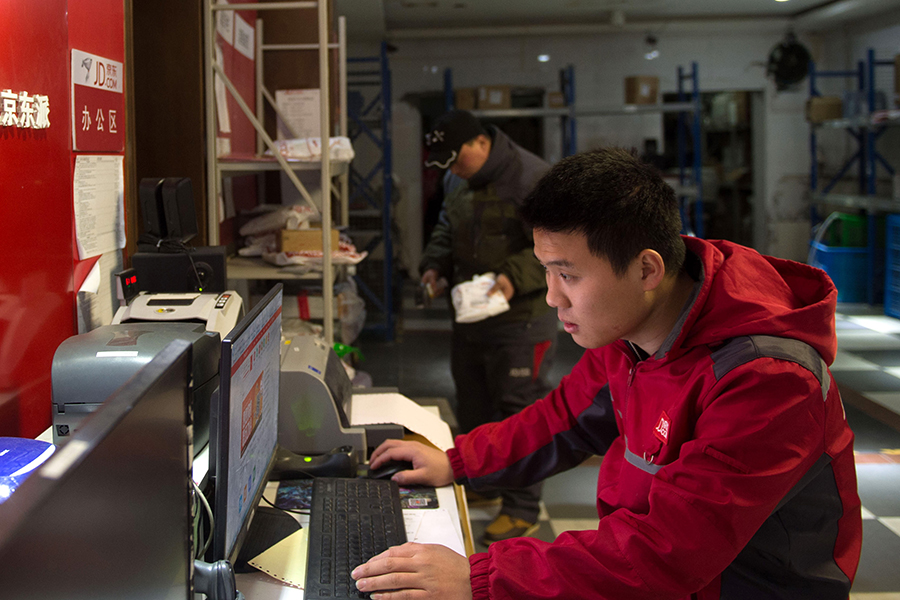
(36,301)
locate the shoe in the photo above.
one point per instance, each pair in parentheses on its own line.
(505,527)
(476,500)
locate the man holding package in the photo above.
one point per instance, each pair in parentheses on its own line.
(500,364)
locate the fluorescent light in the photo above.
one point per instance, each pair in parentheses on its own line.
(781,0)
(543,58)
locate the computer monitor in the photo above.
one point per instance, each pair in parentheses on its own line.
(108,516)
(244,433)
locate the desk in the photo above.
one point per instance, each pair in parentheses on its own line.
(260,586)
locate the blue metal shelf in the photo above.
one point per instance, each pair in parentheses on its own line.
(373,120)
(867,158)
(689,104)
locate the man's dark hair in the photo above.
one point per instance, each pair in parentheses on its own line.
(621,204)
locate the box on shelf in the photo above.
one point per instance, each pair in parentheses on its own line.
(466,98)
(824,108)
(556,100)
(494,96)
(641,89)
(301,240)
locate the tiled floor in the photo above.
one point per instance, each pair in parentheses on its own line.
(867,370)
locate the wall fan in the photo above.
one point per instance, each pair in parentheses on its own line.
(788,62)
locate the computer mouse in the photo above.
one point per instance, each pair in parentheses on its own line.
(386,470)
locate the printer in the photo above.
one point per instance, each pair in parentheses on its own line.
(218,312)
(88,367)
(315,403)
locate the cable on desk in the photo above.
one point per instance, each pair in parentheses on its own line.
(199,494)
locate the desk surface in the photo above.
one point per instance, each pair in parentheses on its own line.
(260,586)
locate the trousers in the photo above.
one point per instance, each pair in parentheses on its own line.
(499,370)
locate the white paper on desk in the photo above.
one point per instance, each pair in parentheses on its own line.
(286,560)
(99,198)
(371,409)
(436,527)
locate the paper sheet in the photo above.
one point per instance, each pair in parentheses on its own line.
(225,23)
(369,409)
(221,95)
(96,300)
(286,560)
(300,109)
(243,37)
(99,195)
(436,527)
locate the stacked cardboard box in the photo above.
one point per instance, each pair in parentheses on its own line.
(641,90)
(302,240)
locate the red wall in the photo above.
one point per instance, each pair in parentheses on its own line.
(37,301)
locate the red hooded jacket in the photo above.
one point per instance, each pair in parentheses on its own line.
(728,463)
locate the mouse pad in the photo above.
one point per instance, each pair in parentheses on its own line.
(294,494)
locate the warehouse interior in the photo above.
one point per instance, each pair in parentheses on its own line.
(775,121)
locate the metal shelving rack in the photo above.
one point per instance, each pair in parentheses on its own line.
(373,120)
(865,131)
(690,182)
(218,167)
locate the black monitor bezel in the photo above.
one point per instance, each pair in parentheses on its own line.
(53,477)
(219,434)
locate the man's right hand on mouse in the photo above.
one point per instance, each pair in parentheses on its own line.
(430,465)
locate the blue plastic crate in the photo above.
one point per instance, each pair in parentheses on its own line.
(892,267)
(847,268)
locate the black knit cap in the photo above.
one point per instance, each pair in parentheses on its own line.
(450,132)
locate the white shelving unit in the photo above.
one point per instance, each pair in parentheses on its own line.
(219,167)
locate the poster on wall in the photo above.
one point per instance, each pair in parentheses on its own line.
(98,103)
(99,190)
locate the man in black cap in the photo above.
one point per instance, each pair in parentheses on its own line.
(500,365)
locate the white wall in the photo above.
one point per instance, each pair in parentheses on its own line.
(729,58)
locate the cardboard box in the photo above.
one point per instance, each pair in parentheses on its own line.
(494,96)
(556,100)
(466,98)
(300,240)
(824,108)
(641,89)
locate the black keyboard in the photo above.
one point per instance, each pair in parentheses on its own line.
(350,521)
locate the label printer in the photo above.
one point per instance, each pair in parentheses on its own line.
(88,367)
(316,403)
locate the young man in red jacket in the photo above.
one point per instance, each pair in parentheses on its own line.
(728,463)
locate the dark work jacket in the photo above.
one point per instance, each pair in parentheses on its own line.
(479,229)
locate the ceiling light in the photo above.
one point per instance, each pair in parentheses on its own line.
(781,0)
(543,58)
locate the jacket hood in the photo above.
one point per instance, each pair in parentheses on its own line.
(741,292)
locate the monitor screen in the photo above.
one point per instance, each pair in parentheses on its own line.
(108,516)
(245,431)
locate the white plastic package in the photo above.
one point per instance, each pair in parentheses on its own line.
(472,302)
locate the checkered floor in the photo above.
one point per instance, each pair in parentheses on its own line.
(867,370)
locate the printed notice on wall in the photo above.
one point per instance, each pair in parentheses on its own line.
(99,191)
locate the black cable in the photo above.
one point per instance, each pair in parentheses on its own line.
(287,510)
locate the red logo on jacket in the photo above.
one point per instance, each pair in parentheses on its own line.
(661,431)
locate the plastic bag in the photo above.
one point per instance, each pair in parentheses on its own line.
(472,302)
